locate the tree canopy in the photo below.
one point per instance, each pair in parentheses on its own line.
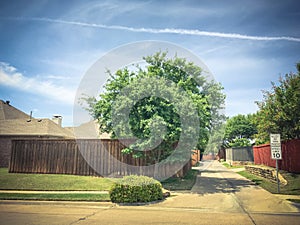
(239,129)
(279,111)
(166,102)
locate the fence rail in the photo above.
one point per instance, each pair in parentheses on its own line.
(92,157)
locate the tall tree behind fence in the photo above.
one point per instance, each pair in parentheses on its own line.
(290,156)
(92,157)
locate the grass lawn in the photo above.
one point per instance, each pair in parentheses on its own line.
(52,182)
(56,197)
(179,184)
(56,182)
(292,188)
(226,164)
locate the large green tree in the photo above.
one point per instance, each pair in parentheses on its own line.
(279,111)
(177,98)
(240,130)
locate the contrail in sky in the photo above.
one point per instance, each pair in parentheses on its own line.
(194,32)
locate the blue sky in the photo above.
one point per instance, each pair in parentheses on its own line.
(47,46)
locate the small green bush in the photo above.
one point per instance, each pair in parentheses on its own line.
(131,189)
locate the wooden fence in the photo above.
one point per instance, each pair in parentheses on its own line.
(92,157)
(239,154)
(290,156)
(196,157)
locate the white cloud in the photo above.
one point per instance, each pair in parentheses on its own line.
(166,30)
(9,76)
(55,77)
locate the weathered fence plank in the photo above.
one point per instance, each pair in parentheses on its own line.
(93,157)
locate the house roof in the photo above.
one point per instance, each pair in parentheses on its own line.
(89,130)
(33,127)
(15,122)
(8,112)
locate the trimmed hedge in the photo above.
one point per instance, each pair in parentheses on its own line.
(132,189)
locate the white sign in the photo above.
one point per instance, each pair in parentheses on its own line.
(275,146)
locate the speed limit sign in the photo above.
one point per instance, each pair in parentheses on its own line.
(275,146)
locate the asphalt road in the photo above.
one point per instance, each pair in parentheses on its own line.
(219,196)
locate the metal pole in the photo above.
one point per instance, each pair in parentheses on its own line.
(278,186)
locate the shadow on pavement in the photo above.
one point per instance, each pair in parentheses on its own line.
(214,178)
(212,185)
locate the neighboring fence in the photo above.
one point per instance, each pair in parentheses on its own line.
(239,154)
(222,154)
(69,156)
(210,156)
(290,156)
(196,157)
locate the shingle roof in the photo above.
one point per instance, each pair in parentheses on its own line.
(34,127)
(8,112)
(15,122)
(88,130)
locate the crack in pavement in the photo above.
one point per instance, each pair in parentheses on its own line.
(91,215)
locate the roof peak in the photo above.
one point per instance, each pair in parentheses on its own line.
(7,111)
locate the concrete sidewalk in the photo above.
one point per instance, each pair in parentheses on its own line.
(219,189)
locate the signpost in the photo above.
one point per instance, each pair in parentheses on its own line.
(276,153)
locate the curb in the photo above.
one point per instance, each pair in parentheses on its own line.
(65,203)
(52,192)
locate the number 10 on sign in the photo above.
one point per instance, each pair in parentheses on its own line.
(275,146)
(276,153)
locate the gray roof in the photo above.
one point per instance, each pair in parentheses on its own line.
(14,122)
(89,130)
(8,112)
(33,127)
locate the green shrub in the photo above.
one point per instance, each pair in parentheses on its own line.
(134,188)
